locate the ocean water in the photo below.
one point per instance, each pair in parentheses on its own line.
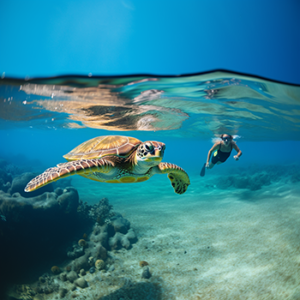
(234,234)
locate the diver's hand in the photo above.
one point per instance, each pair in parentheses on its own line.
(236,157)
(207,165)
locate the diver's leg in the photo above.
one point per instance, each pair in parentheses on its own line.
(211,165)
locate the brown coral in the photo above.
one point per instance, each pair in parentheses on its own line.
(68,268)
(55,270)
(143,263)
(82,243)
(99,264)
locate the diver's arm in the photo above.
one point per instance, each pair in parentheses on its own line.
(237,149)
(214,147)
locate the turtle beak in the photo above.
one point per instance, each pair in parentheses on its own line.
(155,156)
(158,155)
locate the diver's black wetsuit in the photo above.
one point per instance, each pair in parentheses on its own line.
(221,156)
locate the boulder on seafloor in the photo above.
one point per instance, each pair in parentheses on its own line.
(81,262)
(120,224)
(63,276)
(100,234)
(146,274)
(120,240)
(115,234)
(100,252)
(82,272)
(111,239)
(81,282)
(72,276)
(131,236)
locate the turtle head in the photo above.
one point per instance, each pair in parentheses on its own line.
(150,152)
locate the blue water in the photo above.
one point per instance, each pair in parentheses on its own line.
(43,119)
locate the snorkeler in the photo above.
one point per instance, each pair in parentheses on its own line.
(222,150)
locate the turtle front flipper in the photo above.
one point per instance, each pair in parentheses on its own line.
(178,177)
(79,167)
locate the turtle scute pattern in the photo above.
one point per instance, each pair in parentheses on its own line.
(66,169)
(102,146)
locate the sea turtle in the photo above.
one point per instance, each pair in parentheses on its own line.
(115,159)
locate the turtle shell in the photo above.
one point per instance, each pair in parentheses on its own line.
(101,146)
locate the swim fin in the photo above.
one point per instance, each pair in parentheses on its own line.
(202,173)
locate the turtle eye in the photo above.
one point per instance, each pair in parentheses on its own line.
(149,147)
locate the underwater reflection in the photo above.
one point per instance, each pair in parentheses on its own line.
(196,104)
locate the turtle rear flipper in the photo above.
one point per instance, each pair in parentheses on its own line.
(79,167)
(178,177)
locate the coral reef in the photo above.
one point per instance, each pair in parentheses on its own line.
(101,212)
(256,177)
(102,239)
(23,292)
(244,181)
(45,285)
(115,235)
(75,252)
(74,236)
(41,226)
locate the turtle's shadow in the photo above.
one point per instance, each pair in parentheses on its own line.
(136,291)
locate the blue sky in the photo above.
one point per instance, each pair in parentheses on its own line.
(117,37)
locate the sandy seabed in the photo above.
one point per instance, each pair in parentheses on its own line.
(208,243)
